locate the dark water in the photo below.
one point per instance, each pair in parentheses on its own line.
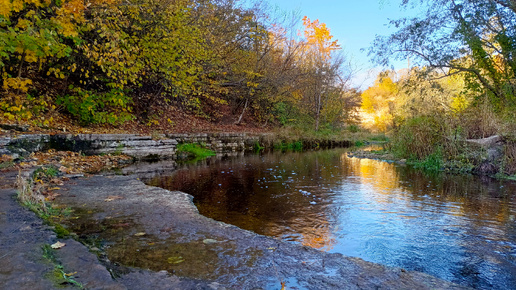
(458,228)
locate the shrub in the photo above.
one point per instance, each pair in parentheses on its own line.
(98,108)
(418,137)
(433,162)
(353,128)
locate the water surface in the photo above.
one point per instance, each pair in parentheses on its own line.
(458,228)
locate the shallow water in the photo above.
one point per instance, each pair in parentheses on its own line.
(459,228)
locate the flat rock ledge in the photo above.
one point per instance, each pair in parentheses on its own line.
(138,146)
(214,255)
(143,147)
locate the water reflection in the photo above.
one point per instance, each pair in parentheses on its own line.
(460,228)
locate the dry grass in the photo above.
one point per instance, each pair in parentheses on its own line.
(26,192)
(510,158)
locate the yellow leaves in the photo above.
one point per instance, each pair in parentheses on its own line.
(9,116)
(376,102)
(175,260)
(459,103)
(9,6)
(23,24)
(252,84)
(17,5)
(30,56)
(5,8)
(72,67)
(20,84)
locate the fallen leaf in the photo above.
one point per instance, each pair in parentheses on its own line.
(209,241)
(113,197)
(175,260)
(139,234)
(58,245)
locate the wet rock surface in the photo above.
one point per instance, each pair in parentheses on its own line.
(23,265)
(22,236)
(134,226)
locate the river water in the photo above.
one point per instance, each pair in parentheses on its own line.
(458,228)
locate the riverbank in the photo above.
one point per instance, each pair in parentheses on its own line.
(161,146)
(483,157)
(201,253)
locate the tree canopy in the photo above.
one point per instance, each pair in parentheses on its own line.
(113,61)
(475,37)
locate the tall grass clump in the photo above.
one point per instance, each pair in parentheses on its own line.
(30,195)
(509,163)
(418,137)
(26,193)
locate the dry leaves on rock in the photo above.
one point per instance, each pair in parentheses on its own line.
(113,197)
(58,245)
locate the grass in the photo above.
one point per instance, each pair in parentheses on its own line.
(6,164)
(292,134)
(258,147)
(59,276)
(432,163)
(194,151)
(359,143)
(294,146)
(30,197)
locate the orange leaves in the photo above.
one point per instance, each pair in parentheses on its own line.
(318,34)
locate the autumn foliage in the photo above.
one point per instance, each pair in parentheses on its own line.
(109,62)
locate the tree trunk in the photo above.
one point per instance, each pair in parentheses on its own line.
(243,111)
(317,111)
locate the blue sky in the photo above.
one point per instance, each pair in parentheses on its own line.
(354,24)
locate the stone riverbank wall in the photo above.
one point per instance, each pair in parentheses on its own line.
(147,147)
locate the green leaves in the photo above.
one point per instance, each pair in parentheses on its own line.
(98,108)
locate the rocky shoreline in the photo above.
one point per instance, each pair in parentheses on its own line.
(216,255)
(485,158)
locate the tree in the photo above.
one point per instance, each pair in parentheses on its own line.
(378,102)
(323,70)
(477,37)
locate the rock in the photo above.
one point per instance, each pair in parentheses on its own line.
(14,127)
(486,142)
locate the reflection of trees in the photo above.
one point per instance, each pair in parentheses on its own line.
(480,199)
(470,217)
(382,176)
(262,193)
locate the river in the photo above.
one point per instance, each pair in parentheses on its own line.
(458,228)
